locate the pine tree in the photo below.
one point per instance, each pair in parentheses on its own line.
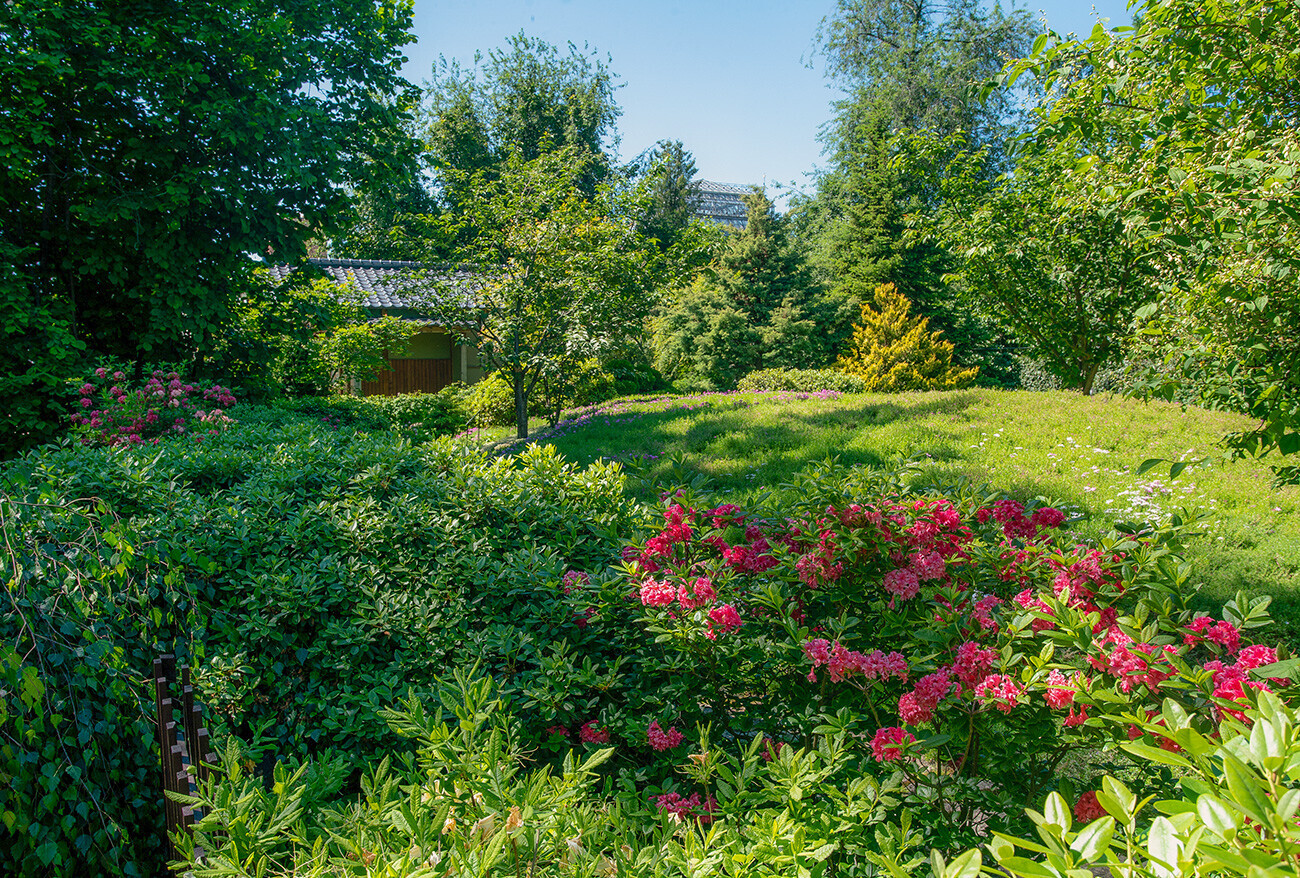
(894,352)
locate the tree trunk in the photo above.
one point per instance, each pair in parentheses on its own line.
(521,407)
(1088,376)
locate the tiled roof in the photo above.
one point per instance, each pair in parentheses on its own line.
(721,203)
(389,284)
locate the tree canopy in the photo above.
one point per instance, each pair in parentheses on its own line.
(1191,118)
(146,150)
(562,281)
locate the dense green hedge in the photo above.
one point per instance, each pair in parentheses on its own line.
(802,381)
(414,415)
(316,573)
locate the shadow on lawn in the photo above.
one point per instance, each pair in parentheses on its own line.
(771,444)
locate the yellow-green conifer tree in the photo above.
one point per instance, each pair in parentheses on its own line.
(893,351)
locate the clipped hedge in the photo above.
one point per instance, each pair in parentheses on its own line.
(802,381)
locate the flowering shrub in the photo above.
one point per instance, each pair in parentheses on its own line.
(112,412)
(968,640)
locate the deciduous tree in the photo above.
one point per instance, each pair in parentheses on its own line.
(561,280)
(147,147)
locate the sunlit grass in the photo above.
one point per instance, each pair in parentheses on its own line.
(1079,452)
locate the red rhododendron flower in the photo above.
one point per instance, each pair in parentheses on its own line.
(593,734)
(1087,808)
(661,740)
(888,744)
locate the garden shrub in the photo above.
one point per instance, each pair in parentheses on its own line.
(113,412)
(491,402)
(578,383)
(957,636)
(802,381)
(416,416)
(893,351)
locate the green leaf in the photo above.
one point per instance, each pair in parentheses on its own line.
(1247,794)
(1156,754)
(1216,816)
(1094,839)
(1149,464)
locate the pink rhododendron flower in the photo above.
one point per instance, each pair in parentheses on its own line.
(657,594)
(902,583)
(927,566)
(1000,691)
(661,740)
(1059,694)
(726,620)
(888,744)
(973,663)
(593,734)
(691,806)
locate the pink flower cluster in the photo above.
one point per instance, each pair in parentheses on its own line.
(691,806)
(1016,525)
(888,744)
(661,740)
(163,405)
(842,663)
(1230,681)
(723,619)
(1001,691)
(591,733)
(1224,633)
(1087,808)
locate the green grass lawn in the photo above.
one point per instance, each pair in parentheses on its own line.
(1079,452)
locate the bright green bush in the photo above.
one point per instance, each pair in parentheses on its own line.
(467,805)
(802,381)
(491,402)
(416,416)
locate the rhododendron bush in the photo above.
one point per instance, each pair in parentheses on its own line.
(112,412)
(969,643)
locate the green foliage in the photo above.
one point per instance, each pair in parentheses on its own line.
(414,416)
(567,385)
(758,308)
(491,402)
(802,381)
(89,602)
(318,572)
(907,66)
(304,336)
(563,278)
(1191,119)
(137,175)
(466,801)
(892,352)
(528,99)
(1234,813)
(672,193)
(1048,252)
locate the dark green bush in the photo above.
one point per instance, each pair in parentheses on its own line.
(802,381)
(321,573)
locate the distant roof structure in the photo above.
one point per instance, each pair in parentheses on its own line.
(721,203)
(391,285)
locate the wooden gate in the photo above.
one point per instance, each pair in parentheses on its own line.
(410,376)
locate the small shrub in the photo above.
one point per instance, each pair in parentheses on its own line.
(802,381)
(894,352)
(112,412)
(491,402)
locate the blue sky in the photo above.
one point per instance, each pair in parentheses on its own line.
(737,81)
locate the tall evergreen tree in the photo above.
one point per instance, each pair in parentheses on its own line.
(671,193)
